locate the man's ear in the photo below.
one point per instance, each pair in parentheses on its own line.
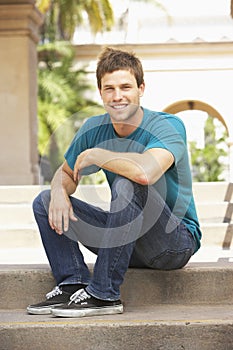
(141,89)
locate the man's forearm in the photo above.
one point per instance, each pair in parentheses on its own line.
(62,181)
(145,168)
(136,167)
(126,164)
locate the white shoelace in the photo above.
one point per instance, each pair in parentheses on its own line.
(80,295)
(56,291)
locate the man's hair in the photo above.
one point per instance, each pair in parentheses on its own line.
(111,60)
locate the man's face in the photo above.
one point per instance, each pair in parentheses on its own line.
(121,95)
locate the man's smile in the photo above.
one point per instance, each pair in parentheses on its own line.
(119,106)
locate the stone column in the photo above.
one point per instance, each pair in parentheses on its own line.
(19,23)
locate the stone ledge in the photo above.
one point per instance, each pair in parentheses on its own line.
(163,327)
(197,283)
(22,19)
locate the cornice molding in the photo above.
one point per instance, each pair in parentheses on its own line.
(91,51)
(20,18)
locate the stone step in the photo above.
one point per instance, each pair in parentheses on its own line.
(19,194)
(212,191)
(215,212)
(159,327)
(18,228)
(203,192)
(27,236)
(197,283)
(26,194)
(20,236)
(22,213)
(13,214)
(220,234)
(36,256)
(174,308)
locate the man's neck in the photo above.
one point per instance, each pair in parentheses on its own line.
(128,127)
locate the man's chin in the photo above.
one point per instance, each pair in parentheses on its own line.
(119,117)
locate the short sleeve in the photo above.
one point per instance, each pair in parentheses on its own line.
(169,133)
(80,142)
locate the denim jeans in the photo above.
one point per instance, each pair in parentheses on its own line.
(139,230)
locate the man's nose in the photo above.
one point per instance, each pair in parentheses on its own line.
(117,94)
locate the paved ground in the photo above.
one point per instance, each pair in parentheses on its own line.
(166,313)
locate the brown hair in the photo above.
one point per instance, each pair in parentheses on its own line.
(111,60)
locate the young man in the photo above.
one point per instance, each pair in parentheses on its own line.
(152,220)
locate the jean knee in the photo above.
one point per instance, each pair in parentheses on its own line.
(121,186)
(41,202)
(131,191)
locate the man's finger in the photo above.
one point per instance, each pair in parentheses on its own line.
(75,174)
(72,216)
(66,222)
(51,220)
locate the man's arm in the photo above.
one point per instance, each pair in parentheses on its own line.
(60,208)
(145,168)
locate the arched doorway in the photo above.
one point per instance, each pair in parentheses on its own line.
(209,157)
(185,105)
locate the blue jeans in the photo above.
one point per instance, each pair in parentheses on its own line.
(139,230)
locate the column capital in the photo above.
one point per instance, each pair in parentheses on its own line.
(20,18)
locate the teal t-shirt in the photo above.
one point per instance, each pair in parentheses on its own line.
(157,130)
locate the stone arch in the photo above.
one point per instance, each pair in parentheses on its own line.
(184,105)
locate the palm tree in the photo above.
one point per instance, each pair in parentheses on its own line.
(62,100)
(62,16)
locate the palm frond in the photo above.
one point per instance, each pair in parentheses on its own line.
(53,88)
(108,15)
(43,5)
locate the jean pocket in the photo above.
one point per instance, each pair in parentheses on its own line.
(171,260)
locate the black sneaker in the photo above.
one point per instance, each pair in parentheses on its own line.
(83,304)
(54,298)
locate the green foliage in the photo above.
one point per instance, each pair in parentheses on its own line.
(62,16)
(92,179)
(62,104)
(206,162)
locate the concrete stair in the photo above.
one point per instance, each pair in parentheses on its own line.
(185,309)
(189,309)
(17,226)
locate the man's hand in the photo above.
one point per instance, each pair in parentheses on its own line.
(60,211)
(83,160)
(60,208)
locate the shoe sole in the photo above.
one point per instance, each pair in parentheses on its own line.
(47,310)
(108,310)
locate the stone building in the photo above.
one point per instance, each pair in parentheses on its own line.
(188,63)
